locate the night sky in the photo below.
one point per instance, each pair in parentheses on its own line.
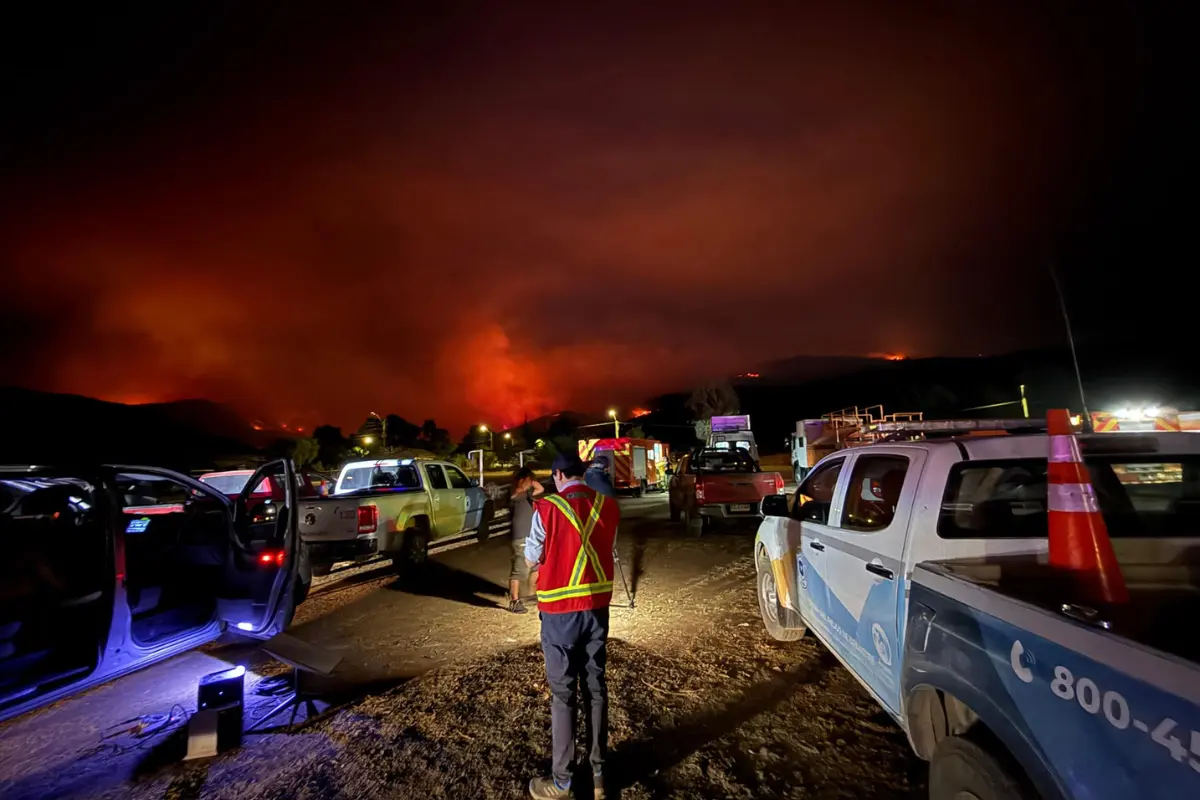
(478,211)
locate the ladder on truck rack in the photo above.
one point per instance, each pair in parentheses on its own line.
(899,429)
(852,425)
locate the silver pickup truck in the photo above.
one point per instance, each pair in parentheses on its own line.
(392,507)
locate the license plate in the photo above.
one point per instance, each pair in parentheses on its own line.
(736,507)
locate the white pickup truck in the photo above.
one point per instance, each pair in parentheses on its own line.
(922,566)
(393,507)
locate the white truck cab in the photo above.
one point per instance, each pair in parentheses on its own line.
(838,557)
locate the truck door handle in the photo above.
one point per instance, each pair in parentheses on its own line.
(880,570)
(817,546)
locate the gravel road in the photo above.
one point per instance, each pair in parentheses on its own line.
(440,694)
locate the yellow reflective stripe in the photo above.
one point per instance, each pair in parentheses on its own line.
(586,551)
(571,592)
(568,512)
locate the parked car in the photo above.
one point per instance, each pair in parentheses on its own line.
(714,484)
(922,567)
(392,507)
(110,568)
(231,482)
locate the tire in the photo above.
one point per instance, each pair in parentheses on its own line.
(961,768)
(693,523)
(797,474)
(774,615)
(674,512)
(320,570)
(414,552)
(489,512)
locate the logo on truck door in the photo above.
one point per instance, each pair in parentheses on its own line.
(882,646)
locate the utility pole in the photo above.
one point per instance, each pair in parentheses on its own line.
(612,412)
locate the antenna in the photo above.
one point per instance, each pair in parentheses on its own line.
(1062,305)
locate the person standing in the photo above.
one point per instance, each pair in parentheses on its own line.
(598,478)
(525,487)
(570,543)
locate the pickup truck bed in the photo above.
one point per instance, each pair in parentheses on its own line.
(1087,711)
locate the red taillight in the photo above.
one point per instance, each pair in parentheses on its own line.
(699,492)
(271,557)
(368,519)
(778,483)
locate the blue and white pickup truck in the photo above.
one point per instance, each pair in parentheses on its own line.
(922,566)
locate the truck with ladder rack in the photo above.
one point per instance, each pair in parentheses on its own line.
(814,439)
(1023,604)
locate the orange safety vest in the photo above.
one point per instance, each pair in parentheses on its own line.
(577,561)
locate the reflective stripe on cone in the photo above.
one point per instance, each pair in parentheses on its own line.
(1079,539)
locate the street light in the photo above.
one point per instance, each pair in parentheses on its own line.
(382,427)
(491,442)
(368,440)
(612,412)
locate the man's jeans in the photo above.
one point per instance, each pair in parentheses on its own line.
(574,645)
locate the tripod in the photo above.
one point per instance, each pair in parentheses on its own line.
(624,583)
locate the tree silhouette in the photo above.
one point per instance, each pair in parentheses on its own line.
(331,444)
(401,432)
(713,400)
(434,439)
(305,452)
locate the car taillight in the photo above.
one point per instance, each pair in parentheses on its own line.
(778,483)
(272,558)
(699,491)
(368,519)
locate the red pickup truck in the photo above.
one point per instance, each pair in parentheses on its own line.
(719,484)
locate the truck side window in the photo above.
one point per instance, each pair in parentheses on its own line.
(873,492)
(995,500)
(437,478)
(814,497)
(457,479)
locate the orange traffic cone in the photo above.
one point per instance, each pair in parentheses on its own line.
(1078,536)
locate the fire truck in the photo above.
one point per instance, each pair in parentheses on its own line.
(1145,420)
(636,465)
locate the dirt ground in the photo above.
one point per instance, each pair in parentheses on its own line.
(452,703)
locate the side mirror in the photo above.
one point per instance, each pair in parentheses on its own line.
(774,505)
(474,482)
(670,471)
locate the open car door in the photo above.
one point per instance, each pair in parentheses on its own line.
(258,595)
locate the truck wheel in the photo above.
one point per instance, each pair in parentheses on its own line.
(414,552)
(797,474)
(693,523)
(963,770)
(774,615)
(320,570)
(485,522)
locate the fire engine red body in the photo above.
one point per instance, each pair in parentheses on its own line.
(635,465)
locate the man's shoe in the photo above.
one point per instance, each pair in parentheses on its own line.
(517,607)
(547,789)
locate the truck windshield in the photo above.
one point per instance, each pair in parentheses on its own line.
(1139,497)
(715,461)
(401,476)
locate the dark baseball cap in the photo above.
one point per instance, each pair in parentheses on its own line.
(568,464)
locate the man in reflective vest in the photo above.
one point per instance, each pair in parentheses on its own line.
(571,545)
